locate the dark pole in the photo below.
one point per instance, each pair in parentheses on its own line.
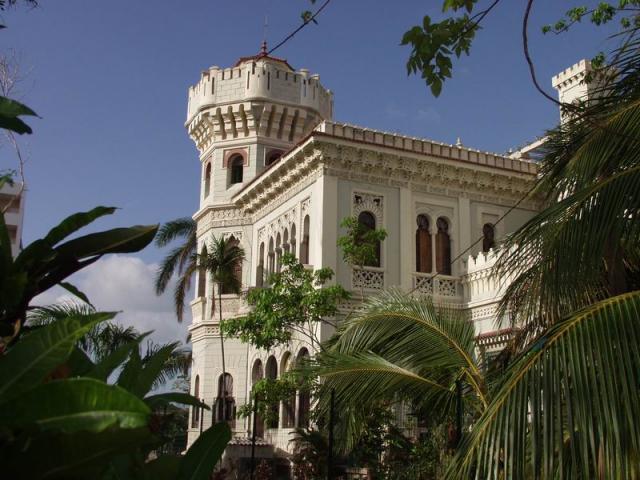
(458,413)
(253,437)
(201,415)
(330,453)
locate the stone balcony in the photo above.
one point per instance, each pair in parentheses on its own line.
(440,287)
(207,308)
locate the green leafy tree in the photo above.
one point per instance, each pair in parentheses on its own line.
(181,261)
(296,300)
(359,245)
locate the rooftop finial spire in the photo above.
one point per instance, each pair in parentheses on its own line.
(263,49)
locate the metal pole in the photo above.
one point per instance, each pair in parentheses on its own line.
(253,437)
(201,415)
(459,413)
(330,452)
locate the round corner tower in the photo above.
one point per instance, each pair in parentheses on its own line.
(244,117)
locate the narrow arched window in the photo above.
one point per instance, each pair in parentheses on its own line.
(207,180)
(288,404)
(285,241)
(260,269)
(488,237)
(278,252)
(195,411)
(202,273)
(236,163)
(257,374)
(423,245)
(368,223)
(272,257)
(237,269)
(443,247)
(293,239)
(225,403)
(304,245)
(271,372)
(304,398)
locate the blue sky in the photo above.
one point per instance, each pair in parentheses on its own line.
(110,80)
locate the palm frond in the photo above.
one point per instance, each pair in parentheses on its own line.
(568,407)
(182,287)
(184,227)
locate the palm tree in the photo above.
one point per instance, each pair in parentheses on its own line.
(181,260)
(399,347)
(223,261)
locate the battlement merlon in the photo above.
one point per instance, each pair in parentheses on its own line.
(571,75)
(260,79)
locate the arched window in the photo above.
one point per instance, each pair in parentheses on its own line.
(488,237)
(278,252)
(304,398)
(195,411)
(304,245)
(225,403)
(260,269)
(368,221)
(257,374)
(237,271)
(271,372)
(207,179)
(289,404)
(443,247)
(293,239)
(236,164)
(285,241)
(202,274)
(272,257)
(423,245)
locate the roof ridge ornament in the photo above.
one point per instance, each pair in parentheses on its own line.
(263,49)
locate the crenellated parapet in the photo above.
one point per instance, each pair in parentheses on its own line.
(259,96)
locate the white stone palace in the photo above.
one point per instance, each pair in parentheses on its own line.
(279,175)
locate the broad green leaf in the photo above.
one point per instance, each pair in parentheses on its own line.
(161,399)
(75,404)
(165,467)
(117,240)
(10,110)
(111,362)
(75,222)
(130,371)
(204,454)
(152,369)
(75,291)
(77,455)
(31,359)
(79,363)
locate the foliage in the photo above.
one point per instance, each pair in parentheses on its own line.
(269,393)
(309,458)
(359,244)
(434,44)
(400,347)
(182,260)
(568,405)
(296,299)
(49,261)
(10,113)
(223,260)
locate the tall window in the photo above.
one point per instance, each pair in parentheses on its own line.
(272,374)
(257,374)
(236,163)
(488,237)
(289,404)
(272,257)
(195,411)
(443,247)
(304,399)
(225,403)
(304,245)
(237,272)
(368,221)
(207,179)
(202,274)
(293,239)
(423,245)
(285,241)
(260,269)
(278,252)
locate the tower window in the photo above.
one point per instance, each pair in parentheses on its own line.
(423,245)
(368,222)
(443,247)
(237,169)
(488,237)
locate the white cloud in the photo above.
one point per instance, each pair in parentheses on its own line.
(125,284)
